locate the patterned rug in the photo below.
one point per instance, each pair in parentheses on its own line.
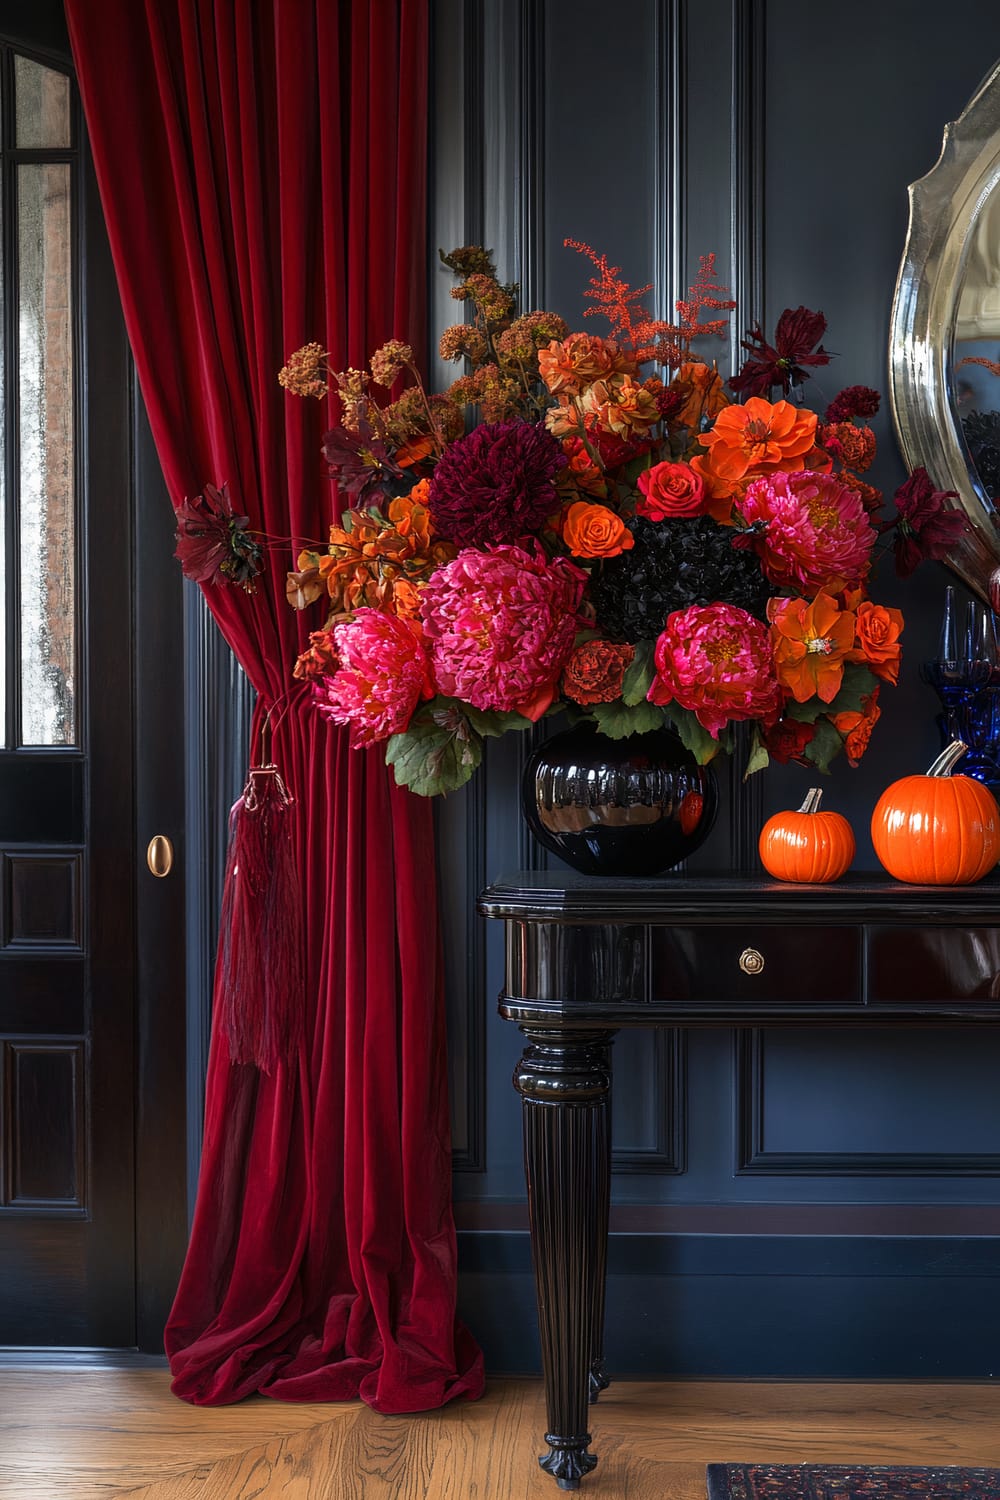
(849,1482)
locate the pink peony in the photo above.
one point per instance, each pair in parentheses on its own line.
(813,531)
(383,674)
(716,660)
(500,625)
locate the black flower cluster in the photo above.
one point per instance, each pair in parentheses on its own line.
(982,433)
(672,565)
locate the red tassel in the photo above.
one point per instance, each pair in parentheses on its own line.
(260,982)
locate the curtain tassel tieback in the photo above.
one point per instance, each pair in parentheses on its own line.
(261,987)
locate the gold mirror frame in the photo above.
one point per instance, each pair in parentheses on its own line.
(944,208)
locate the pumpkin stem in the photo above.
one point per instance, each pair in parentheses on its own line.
(948,758)
(814,797)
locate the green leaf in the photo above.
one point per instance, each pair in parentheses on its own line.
(824,745)
(619,719)
(431,758)
(491,723)
(639,676)
(805,713)
(758,759)
(693,733)
(857,683)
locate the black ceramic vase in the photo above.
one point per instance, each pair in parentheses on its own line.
(618,807)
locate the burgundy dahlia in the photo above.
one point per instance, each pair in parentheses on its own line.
(496,485)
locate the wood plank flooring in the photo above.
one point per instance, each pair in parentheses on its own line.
(93,1434)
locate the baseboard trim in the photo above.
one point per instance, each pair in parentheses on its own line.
(13,1357)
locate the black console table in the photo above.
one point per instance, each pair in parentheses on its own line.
(586,956)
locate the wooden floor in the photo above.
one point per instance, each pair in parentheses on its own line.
(86,1434)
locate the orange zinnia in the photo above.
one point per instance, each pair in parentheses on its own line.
(760,436)
(811,642)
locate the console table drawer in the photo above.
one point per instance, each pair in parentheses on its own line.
(930,965)
(756,965)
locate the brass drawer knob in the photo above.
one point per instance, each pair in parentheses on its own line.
(751,962)
(160,856)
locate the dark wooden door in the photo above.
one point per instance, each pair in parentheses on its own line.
(79,795)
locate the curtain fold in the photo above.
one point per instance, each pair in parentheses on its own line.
(262,169)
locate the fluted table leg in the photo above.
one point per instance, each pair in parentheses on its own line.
(564,1078)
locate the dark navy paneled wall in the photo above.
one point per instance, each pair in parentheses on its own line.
(854,1228)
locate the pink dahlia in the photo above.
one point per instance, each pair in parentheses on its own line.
(811,530)
(496,484)
(383,674)
(500,625)
(716,660)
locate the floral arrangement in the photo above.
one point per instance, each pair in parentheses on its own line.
(595,525)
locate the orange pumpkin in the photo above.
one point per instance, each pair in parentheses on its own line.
(808,846)
(937,829)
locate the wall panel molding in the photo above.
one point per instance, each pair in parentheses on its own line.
(460,836)
(669,119)
(666,1083)
(746,800)
(752,1156)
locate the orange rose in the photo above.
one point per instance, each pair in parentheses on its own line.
(876,639)
(811,643)
(671,490)
(595,531)
(759,436)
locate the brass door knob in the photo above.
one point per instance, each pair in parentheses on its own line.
(751,962)
(160,856)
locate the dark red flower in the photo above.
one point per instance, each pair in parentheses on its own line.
(853,401)
(787,740)
(359,460)
(784,362)
(669,402)
(926,527)
(213,545)
(615,451)
(495,485)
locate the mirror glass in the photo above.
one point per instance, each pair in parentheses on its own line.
(944,355)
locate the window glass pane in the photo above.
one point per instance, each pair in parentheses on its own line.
(45,460)
(41,105)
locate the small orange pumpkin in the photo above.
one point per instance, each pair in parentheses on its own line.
(937,829)
(808,846)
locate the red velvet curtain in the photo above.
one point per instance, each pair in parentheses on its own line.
(262,168)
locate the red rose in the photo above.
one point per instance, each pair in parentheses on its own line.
(787,740)
(671,490)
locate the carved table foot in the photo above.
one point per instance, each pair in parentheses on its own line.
(568,1460)
(599,1379)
